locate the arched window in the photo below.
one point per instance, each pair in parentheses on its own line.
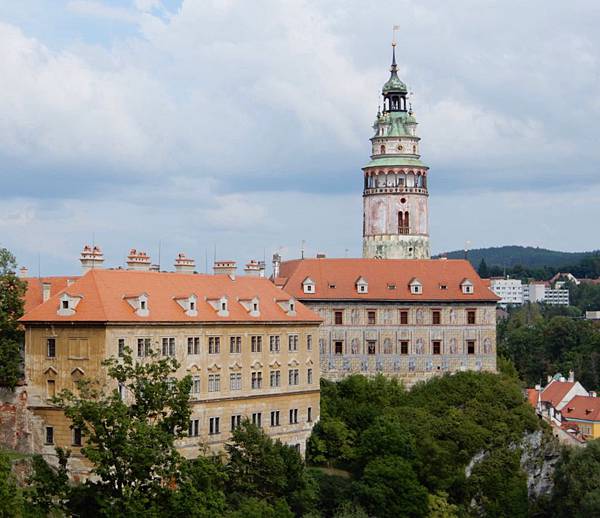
(382,150)
(414,150)
(403,222)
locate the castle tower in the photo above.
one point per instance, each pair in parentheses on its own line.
(395,198)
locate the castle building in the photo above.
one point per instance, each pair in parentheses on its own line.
(247,345)
(395,197)
(408,319)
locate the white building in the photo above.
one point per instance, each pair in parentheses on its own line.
(513,291)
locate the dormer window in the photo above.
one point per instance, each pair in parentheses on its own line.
(192,306)
(139,303)
(143,305)
(65,304)
(68,304)
(466,286)
(391,286)
(443,287)
(189,304)
(223,306)
(416,288)
(308,285)
(331,286)
(362,286)
(292,306)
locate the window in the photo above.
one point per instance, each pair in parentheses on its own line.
(274,344)
(404,318)
(371,346)
(275,378)
(224,306)
(339,318)
(256,342)
(470,346)
(193,343)
(235,344)
(49,435)
(275,418)
(256,380)
(309,342)
(142,304)
(213,425)
(214,382)
(403,346)
(293,415)
(235,381)
(121,391)
(257,419)
(168,346)
(436,318)
(293,377)
(338,346)
(143,347)
(195,390)
(403,222)
(65,304)
(51,347)
(214,344)
(293,343)
(50,388)
(236,421)
(121,346)
(371,318)
(192,305)
(194,428)
(416,289)
(436,346)
(391,286)
(331,286)
(309,414)
(76,436)
(309,376)
(471,316)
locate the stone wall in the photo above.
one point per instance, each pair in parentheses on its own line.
(15,421)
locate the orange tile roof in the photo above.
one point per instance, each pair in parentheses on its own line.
(380,274)
(556,392)
(33,295)
(532,397)
(584,408)
(103,293)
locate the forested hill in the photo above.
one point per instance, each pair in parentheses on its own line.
(526,256)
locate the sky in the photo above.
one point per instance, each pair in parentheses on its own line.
(240,127)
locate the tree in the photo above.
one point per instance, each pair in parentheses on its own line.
(483,269)
(389,487)
(331,442)
(10,502)
(259,467)
(130,441)
(12,293)
(577,482)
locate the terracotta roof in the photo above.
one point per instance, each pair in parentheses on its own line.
(33,295)
(103,293)
(381,274)
(556,391)
(585,408)
(532,397)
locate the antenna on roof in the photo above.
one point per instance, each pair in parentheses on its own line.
(215,253)
(467,243)
(39,267)
(93,246)
(159,255)
(302,249)
(205,260)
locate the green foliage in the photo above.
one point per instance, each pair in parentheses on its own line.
(422,439)
(439,507)
(12,293)
(259,467)
(585,296)
(10,501)
(577,482)
(483,270)
(48,489)
(542,341)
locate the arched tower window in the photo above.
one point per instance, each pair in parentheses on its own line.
(403,222)
(382,150)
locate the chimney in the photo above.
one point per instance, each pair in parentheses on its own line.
(138,260)
(276,265)
(571,376)
(184,264)
(46,287)
(225,268)
(23,272)
(261,269)
(253,269)
(91,257)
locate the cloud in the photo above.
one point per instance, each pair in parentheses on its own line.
(251,120)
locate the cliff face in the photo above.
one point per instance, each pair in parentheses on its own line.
(540,453)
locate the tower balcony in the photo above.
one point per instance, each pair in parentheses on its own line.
(395,190)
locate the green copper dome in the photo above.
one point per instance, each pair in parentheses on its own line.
(394,84)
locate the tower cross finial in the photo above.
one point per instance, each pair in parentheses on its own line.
(395,29)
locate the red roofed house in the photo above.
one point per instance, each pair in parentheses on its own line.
(406,318)
(557,394)
(585,412)
(247,344)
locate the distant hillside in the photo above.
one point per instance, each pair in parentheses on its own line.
(526,256)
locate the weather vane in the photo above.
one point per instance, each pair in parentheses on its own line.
(395,29)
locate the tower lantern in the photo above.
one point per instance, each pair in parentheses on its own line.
(395,196)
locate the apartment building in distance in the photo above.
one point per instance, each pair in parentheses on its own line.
(249,347)
(405,318)
(515,292)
